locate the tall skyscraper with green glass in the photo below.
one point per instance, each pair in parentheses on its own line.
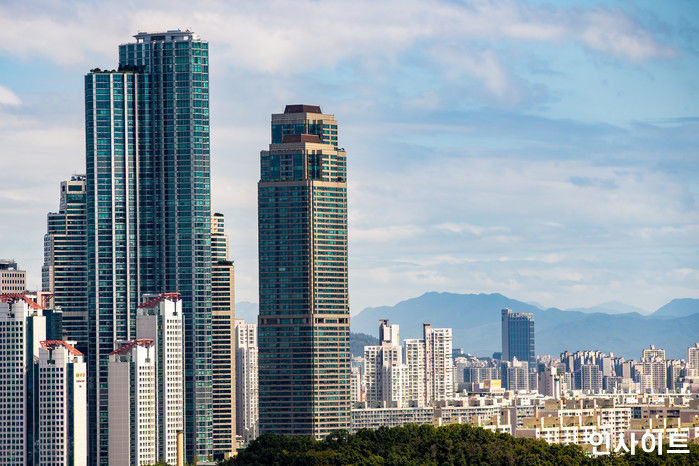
(518,336)
(64,273)
(148,210)
(304,357)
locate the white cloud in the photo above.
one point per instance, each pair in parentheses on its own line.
(7,97)
(484,66)
(613,33)
(286,36)
(386,233)
(455,216)
(467,228)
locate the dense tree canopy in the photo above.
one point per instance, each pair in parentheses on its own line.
(457,444)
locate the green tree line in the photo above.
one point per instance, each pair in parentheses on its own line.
(457,444)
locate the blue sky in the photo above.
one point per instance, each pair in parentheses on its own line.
(544,150)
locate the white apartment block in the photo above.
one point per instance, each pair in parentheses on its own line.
(652,354)
(355,385)
(439,364)
(373,418)
(247,384)
(693,361)
(372,368)
(492,417)
(22,328)
(415,372)
(62,405)
(425,376)
(393,380)
(132,404)
(160,319)
(653,375)
(383,372)
(515,374)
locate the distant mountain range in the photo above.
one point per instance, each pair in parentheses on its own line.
(610,327)
(611,307)
(475,319)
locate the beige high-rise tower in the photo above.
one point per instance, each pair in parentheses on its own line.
(222,340)
(304,358)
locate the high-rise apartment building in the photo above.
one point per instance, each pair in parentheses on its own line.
(693,360)
(589,378)
(247,385)
(415,390)
(515,374)
(439,363)
(62,404)
(383,368)
(12,280)
(518,336)
(64,273)
(652,354)
(133,404)
(149,214)
(355,385)
(304,311)
(22,329)
(550,382)
(222,341)
(419,374)
(674,374)
(160,319)
(653,369)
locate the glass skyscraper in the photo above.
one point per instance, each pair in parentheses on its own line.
(518,336)
(64,273)
(148,211)
(304,365)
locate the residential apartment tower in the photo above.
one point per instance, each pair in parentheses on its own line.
(304,359)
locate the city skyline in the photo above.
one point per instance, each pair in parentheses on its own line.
(549,152)
(559,183)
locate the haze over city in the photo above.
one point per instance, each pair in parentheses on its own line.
(544,151)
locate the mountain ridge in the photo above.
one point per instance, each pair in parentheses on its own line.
(475,320)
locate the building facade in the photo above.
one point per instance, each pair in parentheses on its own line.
(149,214)
(133,404)
(64,273)
(518,336)
(12,280)
(160,319)
(439,363)
(304,353)
(384,373)
(62,404)
(22,328)
(415,389)
(693,360)
(223,353)
(653,370)
(515,375)
(355,385)
(246,383)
